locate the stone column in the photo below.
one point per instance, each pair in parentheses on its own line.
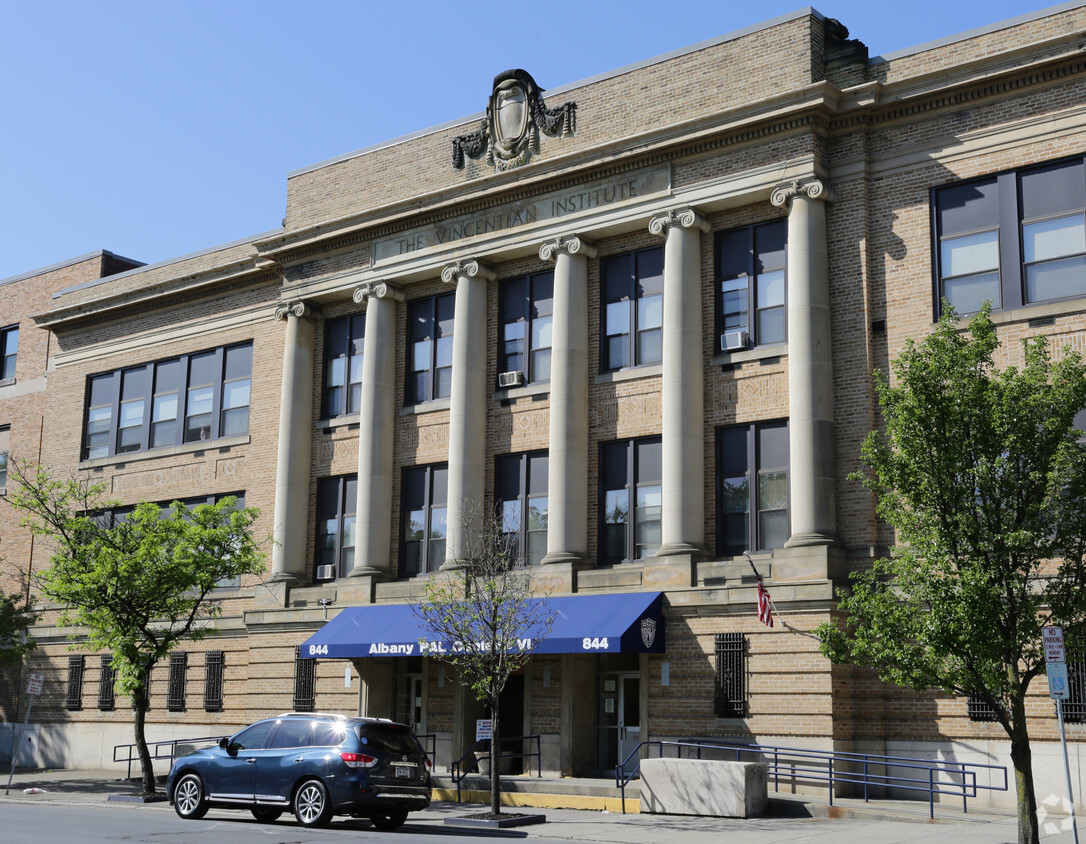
(291,525)
(683,436)
(467,413)
(567,461)
(810,366)
(376,425)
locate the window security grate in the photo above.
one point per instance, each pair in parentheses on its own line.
(213,677)
(175,689)
(107,679)
(731,694)
(1074,708)
(74,699)
(980,710)
(304,683)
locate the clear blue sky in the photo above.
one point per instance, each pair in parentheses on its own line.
(154,129)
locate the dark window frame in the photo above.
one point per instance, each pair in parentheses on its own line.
(73,699)
(339,487)
(634,482)
(621,284)
(730,680)
(750,247)
(176,681)
(432,504)
(516,478)
(112,399)
(755,469)
(214,669)
(9,359)
(527,308)
(344,339)
(426,322)
(305,683)
(1007,219)
(5,448)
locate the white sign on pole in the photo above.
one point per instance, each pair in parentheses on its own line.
(1057,681)
(1053,642)
(484,729)
(34,687)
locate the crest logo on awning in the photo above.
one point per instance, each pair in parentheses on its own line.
(648,631)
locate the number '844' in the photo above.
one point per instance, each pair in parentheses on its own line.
(596,644)
(318,650)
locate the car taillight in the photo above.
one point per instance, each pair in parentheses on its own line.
(429,764)
(358,760)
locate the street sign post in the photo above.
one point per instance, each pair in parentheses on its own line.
(1058,690)
(1052,637)
(33,689)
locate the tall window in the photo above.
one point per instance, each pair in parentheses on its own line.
(527,309)
(175,687)
(73,700)
(343,341)
(630,499)
(730,693)
(9,349)
(139,408)
(305,676)
(752,487)
(750,286)
(633,301)
(5,447)
(520,488)
(213,681)
(422,516)
(336,502)
(1013,239)
(429,356)
(107,680)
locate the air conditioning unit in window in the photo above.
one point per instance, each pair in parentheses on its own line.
(511,379)
(733,341)
(326,572)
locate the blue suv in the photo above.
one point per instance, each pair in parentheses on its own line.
(314,764)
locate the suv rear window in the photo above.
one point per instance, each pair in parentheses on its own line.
(389,739)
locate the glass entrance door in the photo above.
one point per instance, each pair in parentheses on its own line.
(408,708)
(619,717)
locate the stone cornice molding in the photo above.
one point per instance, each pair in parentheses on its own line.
(684,218)
(783,195)
(377,290)
(469,267)
(298,309)
(570,245)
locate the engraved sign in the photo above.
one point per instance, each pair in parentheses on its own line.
(584,197)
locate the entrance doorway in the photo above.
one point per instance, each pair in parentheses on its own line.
(619,717)
(407,706)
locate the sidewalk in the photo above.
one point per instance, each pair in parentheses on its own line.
(790,820)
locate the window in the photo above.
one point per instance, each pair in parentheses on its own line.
(73,700)
(527,309)
(343,340)
(630,472)
(336,504)
(980,710)
(140,407)
(752,487)
(5,447)
(1014,239)
(730,693)
(175,687)
(520,489)
(213,677)
(107,681)
(633,301)
(304,682)
(292,732)
(253,738)
(429,365)
(423,515)
(750,286)
(9,348)
(1074,708)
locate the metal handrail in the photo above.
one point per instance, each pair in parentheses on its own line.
(796,763)
(157,746)
(431,740)
(458,775)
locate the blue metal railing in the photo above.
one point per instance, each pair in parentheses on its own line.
(460,770)
(155,747)
(796,764)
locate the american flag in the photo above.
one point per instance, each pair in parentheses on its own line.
(765,607)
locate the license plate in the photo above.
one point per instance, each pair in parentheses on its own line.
(401,771)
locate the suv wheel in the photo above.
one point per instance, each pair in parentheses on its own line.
(311,804)
(390,820)
(188,798)
(266,813)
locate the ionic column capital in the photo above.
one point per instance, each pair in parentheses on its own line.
(570,245)
(684,218)
(468,267)
(299,309)
(377,290)
(783,195)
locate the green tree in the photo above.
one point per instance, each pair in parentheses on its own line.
(139,585)
(491,623)
(981,474)
(16,616)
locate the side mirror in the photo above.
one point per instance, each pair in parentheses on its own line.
(224,743)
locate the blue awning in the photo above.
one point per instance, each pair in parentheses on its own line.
(630,622)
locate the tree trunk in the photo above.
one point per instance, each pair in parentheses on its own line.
(139,712)
(1022,759)
(495,758)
